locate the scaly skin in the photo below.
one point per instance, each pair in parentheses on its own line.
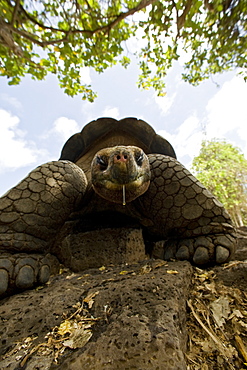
(31,215)
(179,208)
(176,207)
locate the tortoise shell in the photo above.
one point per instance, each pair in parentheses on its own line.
(107,132)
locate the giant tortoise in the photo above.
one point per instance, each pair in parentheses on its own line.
(116,168)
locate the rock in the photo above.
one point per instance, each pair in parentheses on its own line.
(139,312)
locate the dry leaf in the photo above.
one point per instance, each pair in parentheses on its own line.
(123,272)
(172,272)
(158,264)
(221,310)
(79,338)
(236,313)
(89,299)
(145,269)
(66,327)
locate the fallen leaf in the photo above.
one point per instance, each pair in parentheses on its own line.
(66,326)
(79,338)
(236,313)
(172,272)
(89,299)
(159,264)
(220,309)
(145,269)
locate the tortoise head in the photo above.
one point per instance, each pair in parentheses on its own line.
(121,173)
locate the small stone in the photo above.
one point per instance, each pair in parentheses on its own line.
(222,254)
(201,256)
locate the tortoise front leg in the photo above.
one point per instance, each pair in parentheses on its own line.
(180,209)
(31,215)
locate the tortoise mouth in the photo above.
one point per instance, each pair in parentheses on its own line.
(114,184)
(120,174)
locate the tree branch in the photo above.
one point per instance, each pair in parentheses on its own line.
(16,8)
(143,4)
(104,29)
(182,17)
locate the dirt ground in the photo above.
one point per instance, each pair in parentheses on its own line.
(149,315)
(217,314)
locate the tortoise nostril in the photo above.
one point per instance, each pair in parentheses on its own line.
(121,157)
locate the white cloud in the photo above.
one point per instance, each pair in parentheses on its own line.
(15,150)
(187,139)
(225,117)
(227,112)
(164,102)
(112,112)
(64,128)
(11,101)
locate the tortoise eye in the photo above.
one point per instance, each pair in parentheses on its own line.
(139,159)
(102,162)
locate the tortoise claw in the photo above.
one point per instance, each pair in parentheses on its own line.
(201,256)
(222,254)
(183,253)
(4,281)
(201,250)
(22,271)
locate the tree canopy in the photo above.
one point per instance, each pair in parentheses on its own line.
(222,168)
(38,37)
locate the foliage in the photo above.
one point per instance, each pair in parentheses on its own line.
(38,37)
(222,168)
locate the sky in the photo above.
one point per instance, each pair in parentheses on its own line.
(36,117)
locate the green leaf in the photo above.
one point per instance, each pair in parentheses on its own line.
(62,37)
